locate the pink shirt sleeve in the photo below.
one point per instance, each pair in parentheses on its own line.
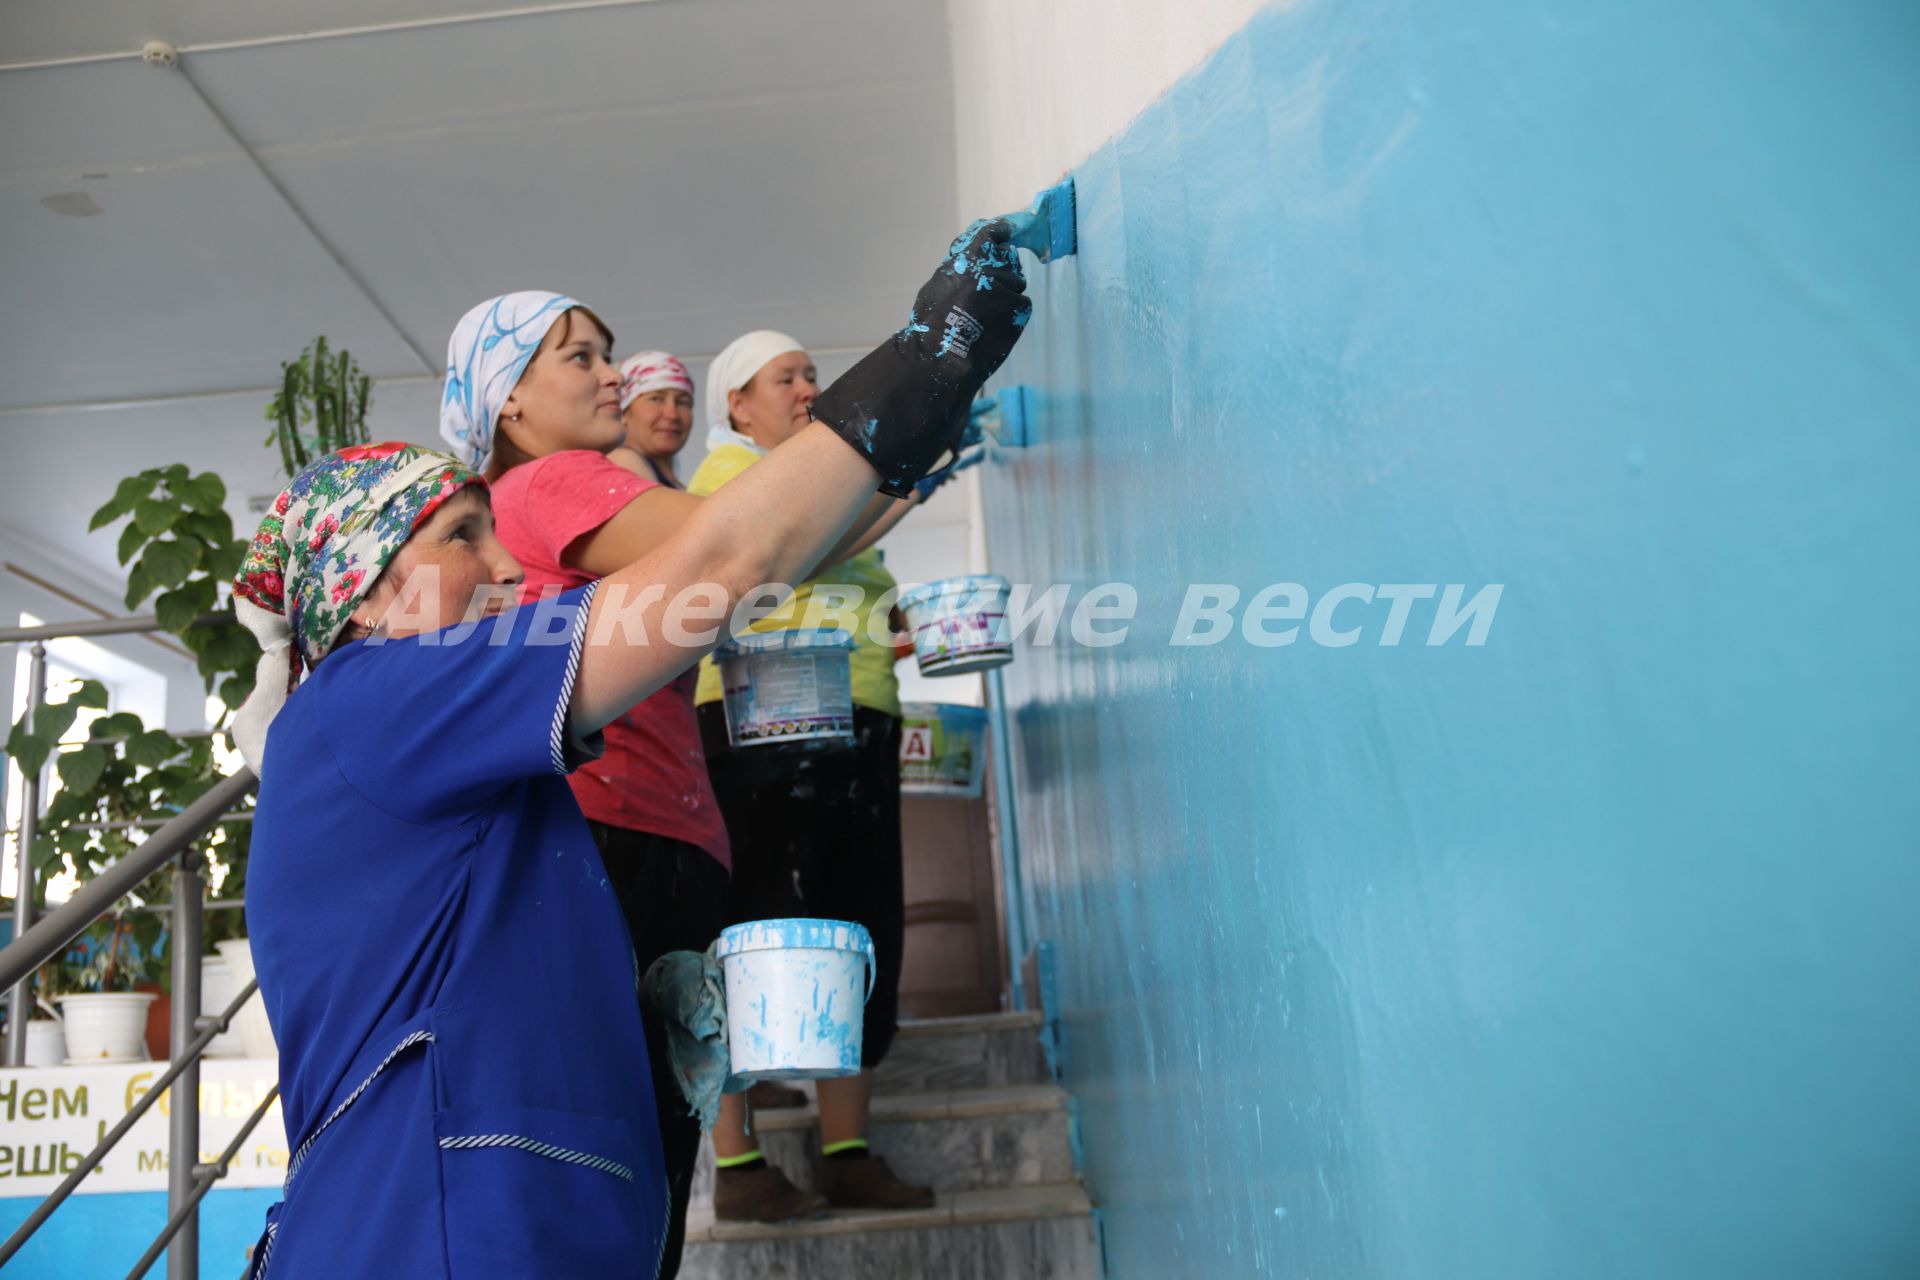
(573,493)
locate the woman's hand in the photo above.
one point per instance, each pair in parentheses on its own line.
(907,401)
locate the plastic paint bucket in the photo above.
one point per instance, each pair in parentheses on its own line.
(959,624)
(796,997)
(788,686)
(943,749)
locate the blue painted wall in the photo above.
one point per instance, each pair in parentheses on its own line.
(100,1237)
(1588,952)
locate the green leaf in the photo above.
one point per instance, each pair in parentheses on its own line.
(168,563)
(91,693)
(224,563)
(79,770)
(53,720)
(130,491)
(46,856)
(206,492)
(177,609)
(155,517)
(234,690)
(175,474)
(121,724)
(132,538)
(140,583)
(152,748)
(28,750)
(214,528)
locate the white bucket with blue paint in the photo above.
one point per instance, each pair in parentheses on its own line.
(796,997)
(788,686)
(959,624)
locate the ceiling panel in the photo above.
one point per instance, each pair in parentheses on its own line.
(153,263)
(692,171)
(692,168)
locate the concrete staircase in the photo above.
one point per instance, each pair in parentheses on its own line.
(965,1105)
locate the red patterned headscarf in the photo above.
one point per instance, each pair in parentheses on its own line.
(318,553)
(651,371)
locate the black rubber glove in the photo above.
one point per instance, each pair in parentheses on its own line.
(905,404)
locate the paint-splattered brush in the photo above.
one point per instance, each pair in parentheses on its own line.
(1047,228)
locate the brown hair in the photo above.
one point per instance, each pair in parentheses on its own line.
(506,454)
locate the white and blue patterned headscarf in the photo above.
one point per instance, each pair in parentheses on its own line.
(486,355)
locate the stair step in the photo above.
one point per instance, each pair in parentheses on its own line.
(950,1053)
(948,1139)
(1012,1233)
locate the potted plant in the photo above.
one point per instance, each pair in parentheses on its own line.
(180,551)
(103,1018)
(46,1035)
(321,391)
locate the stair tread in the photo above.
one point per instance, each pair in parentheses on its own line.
(937,1104)
(1020,1020)
(953,1208)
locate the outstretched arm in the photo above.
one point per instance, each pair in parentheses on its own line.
(771,523)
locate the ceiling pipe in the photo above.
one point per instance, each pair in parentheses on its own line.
(334,33)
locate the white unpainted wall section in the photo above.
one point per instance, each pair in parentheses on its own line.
(1039,85)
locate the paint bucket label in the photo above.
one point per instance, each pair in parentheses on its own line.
(788,686)
(943,749)
(796,997)
(959,624)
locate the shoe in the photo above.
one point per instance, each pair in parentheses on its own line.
(762,1195)
(867,1183)
(767,1095)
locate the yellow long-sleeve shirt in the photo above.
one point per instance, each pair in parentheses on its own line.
(874,684)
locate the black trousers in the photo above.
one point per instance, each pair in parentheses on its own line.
(674,895)
(816,832)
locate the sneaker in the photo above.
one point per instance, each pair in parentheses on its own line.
(761,1195)
(867,1183)
(767,1095)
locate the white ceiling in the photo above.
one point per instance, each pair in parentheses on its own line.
(691,168)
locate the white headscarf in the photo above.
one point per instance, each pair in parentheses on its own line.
(486,355)
(731,370)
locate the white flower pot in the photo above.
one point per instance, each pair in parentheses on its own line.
(217,990)
(106,1028)
(46,1044)
(256,1033)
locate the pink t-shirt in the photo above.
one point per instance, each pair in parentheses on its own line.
(653,776)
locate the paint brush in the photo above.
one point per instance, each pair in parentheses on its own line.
(1047,228)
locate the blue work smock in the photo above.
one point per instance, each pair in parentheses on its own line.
(447,971)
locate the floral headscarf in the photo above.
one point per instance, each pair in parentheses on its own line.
(651,371)
(318,553)
(486,355)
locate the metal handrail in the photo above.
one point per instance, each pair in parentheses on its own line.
(139,624)
(212,1027)
(55,931)
(36,943)
(204,1176)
